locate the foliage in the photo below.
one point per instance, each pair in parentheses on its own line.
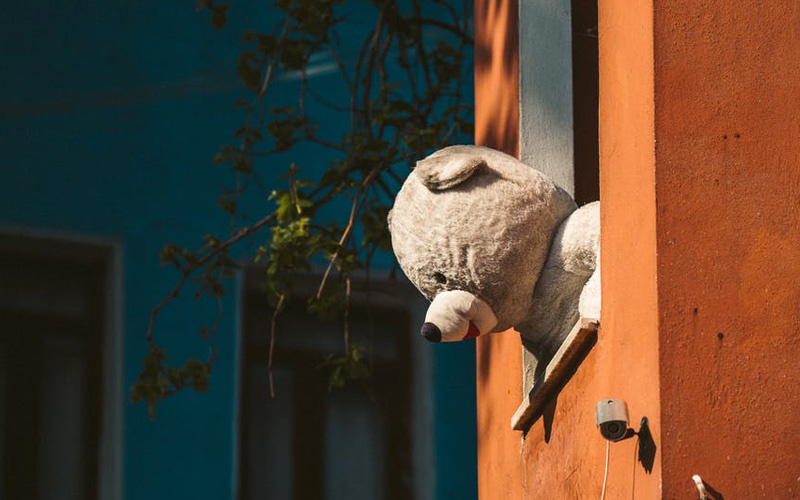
(406,98)
(345,368)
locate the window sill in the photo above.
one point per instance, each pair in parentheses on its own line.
(559,370)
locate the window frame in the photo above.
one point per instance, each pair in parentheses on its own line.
(105,256)
(559,80)
(393,294)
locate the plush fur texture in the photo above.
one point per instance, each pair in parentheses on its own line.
(562,294)
(475,220)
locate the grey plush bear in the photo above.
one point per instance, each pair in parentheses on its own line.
(495,244)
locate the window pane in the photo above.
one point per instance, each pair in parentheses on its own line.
(3,398)
(312,442)
(62,414)
(37,287)
(354,447)
(376,329)
(270,426)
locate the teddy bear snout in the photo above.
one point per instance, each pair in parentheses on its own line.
(457,315)
(431,332)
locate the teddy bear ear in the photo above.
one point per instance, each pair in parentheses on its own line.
(443,171)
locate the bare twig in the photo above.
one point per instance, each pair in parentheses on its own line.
(394,176)
(259,99)
(323,142)
(446,27)
(339,63)
(328,104)
(422,54)
(188,271)
(453,13)
(271,65)
(348,229)
(347,316)
(345,235)
(388,192)
(301,101)
(263,153)
(212,331)
(374,51)
(274,321)
(425,95)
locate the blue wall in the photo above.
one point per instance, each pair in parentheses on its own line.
(109,115)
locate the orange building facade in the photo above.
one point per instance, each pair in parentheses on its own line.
(699,153)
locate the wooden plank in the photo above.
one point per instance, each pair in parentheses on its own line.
(558,371)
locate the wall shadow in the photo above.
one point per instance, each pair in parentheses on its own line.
(713,494)
(551,390)
(647,446)
(497,75)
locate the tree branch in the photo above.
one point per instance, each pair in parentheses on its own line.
(273,323)
(348,229)
(446,27)
(188,271)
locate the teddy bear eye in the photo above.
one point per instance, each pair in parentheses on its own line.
(440,278)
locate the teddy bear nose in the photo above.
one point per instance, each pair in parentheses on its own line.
(431,332)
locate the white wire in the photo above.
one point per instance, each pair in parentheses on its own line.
(605,474)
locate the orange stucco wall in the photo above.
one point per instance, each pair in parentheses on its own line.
(727,122)
(700,190)
(562,456)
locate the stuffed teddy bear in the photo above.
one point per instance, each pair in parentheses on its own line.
(495,244)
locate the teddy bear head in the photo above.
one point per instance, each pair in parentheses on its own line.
(471,228)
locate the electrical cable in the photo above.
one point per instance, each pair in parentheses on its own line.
(605,474)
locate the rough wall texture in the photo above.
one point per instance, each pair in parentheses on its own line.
(727,121)
(627,349)
(700,190)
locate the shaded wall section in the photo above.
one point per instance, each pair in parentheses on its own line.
(727,95)
(499,369)
(497,75)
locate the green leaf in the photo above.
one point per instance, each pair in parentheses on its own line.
(219,16)
(227,201)
(249,69)
(344,369)
(243,164)
(329,306)
(389,121)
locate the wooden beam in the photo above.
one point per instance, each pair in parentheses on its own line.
(574,348)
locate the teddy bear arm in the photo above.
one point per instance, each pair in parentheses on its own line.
(569,285)
(589,304)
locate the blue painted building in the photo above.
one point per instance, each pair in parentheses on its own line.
(109,115)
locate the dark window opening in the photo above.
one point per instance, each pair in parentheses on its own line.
(51,371)
(585,101)
(312,442)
